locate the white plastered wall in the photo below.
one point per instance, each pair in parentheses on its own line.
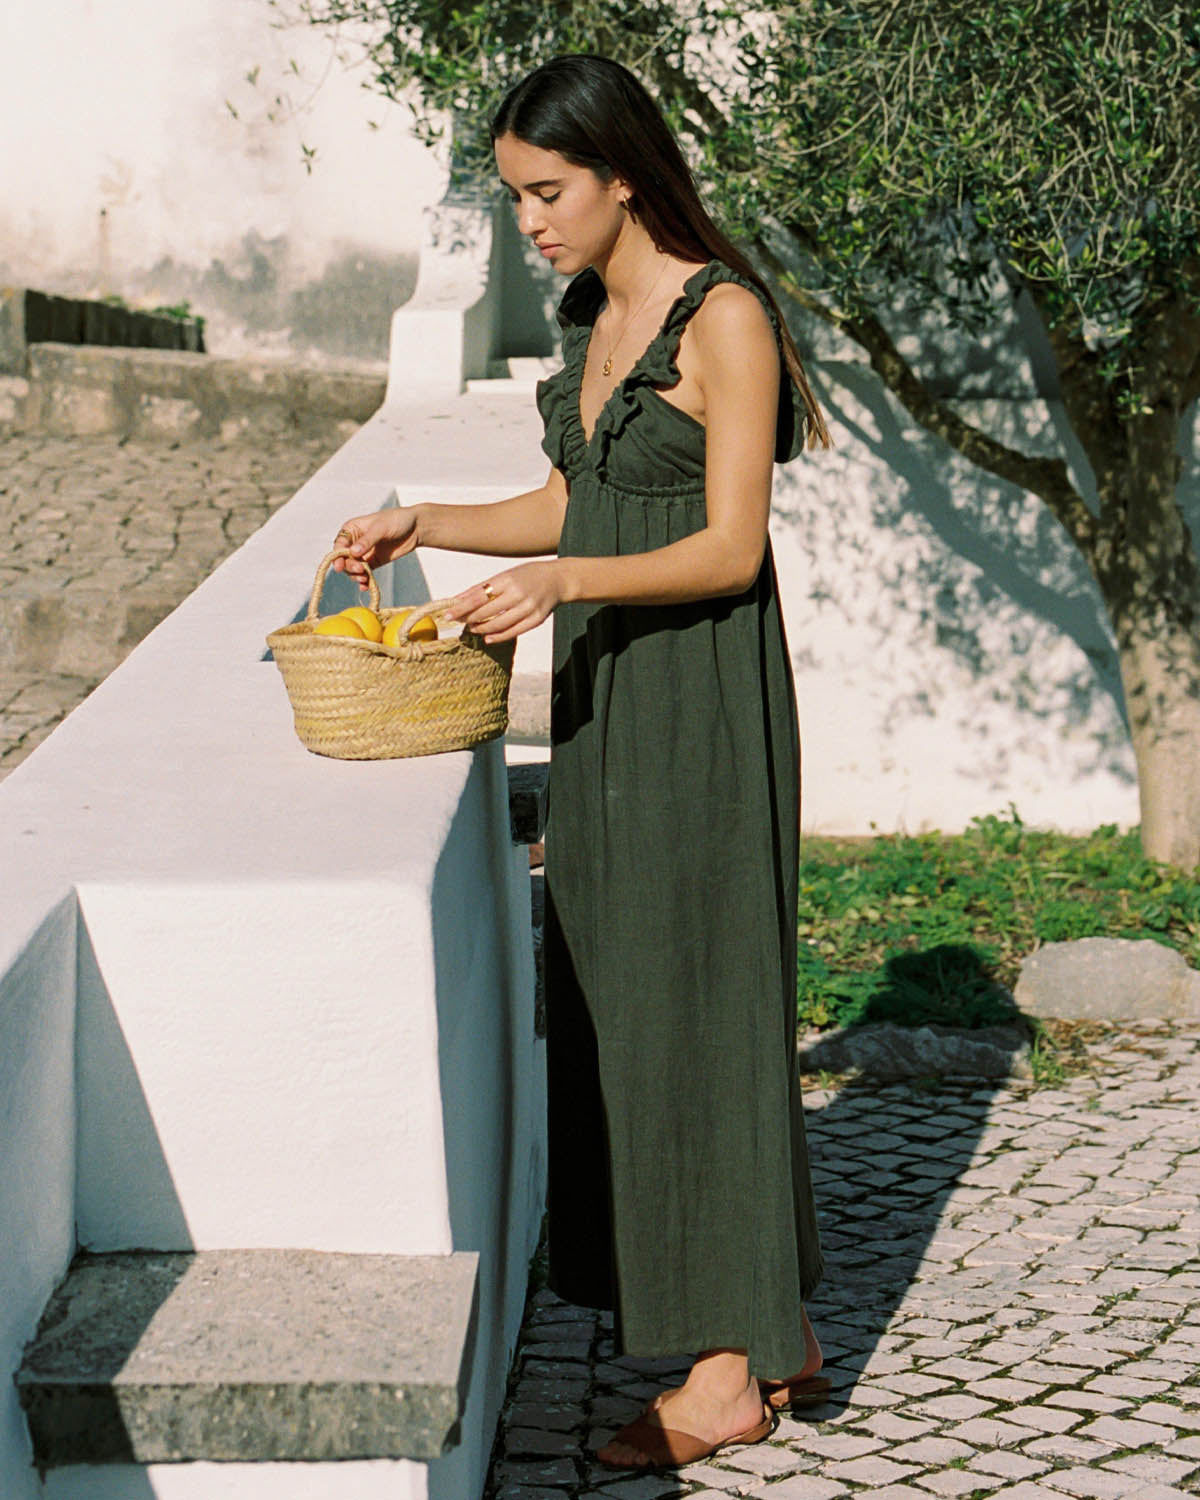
(297,1008)
(142,159)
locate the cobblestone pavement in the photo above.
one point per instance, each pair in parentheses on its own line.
(1011,1305)
(142,522)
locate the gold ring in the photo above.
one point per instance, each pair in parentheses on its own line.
(489,591)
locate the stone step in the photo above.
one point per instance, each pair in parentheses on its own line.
(73,390)
(84,631)
(251,1356)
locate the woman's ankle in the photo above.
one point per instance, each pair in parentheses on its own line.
(721,1373)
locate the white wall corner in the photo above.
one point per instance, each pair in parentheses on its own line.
(37,1152)
(443,335)
(482,297)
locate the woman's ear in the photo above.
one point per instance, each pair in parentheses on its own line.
(622,189)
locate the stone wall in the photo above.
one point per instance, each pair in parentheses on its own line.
(32,317)
(79,391)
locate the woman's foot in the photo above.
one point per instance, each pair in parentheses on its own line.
(778,1393)
(718,1401)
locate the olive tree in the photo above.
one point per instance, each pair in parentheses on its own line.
(961,152)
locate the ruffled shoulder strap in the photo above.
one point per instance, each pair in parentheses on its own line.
(582,300)
(558,397)
(661,368)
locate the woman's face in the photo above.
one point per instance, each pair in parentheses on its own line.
(567,211)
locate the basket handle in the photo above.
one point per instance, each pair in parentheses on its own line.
(319,582)
(423,612)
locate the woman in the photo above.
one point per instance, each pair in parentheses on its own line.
(679,1191)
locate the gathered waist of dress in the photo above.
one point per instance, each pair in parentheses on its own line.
(687,493)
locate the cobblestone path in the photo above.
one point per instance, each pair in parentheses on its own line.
(1011,1305)
(91,522)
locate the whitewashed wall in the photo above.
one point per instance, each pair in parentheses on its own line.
(37,1142)
(251,996)
(139,159)
(951,651)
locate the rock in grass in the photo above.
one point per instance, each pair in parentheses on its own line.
(885,1050)
(1108,979)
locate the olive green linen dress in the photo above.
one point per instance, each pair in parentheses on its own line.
(679,1192)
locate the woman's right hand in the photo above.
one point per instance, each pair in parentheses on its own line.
(376,539)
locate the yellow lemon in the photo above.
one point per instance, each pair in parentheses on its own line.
(391,631)
(423,630)
(339,625)
(366,619)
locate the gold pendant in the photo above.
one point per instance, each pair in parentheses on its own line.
(606,367)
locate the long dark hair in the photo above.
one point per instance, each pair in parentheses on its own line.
(596,114)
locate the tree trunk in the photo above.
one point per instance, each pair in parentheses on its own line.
(1160,672)
(1145,563)
(1143,558)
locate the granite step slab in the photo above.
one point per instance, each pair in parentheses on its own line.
(251,1356)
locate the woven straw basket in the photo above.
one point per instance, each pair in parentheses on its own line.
(357,700)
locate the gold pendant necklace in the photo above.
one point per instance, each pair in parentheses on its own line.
(606,367)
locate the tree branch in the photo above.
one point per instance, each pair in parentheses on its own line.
(1048,478)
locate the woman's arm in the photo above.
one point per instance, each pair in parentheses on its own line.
(735,361)
(528,525)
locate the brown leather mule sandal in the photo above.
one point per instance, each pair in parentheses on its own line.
(667,1448)
(780,1395)
(788,1395)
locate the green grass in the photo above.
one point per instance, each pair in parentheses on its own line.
(1046,1062)
(933,927)
(180,311)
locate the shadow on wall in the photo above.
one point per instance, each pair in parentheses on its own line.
(967,582)
(257,298)
(491,1101)
(89,1427)
(120,1158)
(530,290)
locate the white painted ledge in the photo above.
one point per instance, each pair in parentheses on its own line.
(288,999)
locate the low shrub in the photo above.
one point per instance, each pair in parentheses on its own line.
(929,927)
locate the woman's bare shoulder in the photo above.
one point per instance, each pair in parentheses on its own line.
(732,320)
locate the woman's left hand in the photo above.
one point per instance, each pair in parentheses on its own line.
(508,604)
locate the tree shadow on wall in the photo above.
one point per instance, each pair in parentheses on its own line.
(974,577)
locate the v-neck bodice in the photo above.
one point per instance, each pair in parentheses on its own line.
(642,443)
(633,370)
